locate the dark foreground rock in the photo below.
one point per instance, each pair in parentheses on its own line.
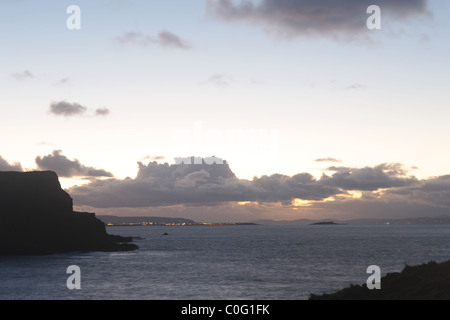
(37,217)
(429,281)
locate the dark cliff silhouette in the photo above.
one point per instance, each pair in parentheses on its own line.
(37,217)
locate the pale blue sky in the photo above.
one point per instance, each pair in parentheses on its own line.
(362,103)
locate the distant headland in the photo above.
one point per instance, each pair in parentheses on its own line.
(37,217)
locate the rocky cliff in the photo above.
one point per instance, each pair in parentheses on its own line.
(37,217)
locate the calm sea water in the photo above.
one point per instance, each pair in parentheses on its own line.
(228,262)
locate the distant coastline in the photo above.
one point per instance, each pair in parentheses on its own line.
(110,220)
(149,224)
(113,221)
(380,221)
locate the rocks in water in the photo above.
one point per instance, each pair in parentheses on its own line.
(37,217)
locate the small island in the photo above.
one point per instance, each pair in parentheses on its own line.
(325,223)
(37,218)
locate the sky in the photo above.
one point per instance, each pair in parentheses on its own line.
(316,115)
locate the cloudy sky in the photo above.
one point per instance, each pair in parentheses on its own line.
(316,115)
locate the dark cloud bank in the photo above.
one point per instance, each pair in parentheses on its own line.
(203,184)
(323,18)
(387,190)
(203,191)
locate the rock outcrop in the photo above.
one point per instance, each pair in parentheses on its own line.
(429,281)
(37,217)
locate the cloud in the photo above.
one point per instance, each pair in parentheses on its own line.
(20,76)
(202,184)
(102,112)
(432,192)
(171,40)
(63,82)
(67,109)
(72,109)
(355,86)
(329,159)
(6,166)
(213,192)
(164,39)
(320,18)
(220,80)
(369,179)
(153,158)
(135,38)
(67,168)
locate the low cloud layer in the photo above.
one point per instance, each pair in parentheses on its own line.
(67,168)
(320,18)
(206,192)
(209,185)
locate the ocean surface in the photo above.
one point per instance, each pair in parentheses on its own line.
(228,262)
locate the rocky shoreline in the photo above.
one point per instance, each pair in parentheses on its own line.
(430,281)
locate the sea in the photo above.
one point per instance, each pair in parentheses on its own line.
(239,262)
